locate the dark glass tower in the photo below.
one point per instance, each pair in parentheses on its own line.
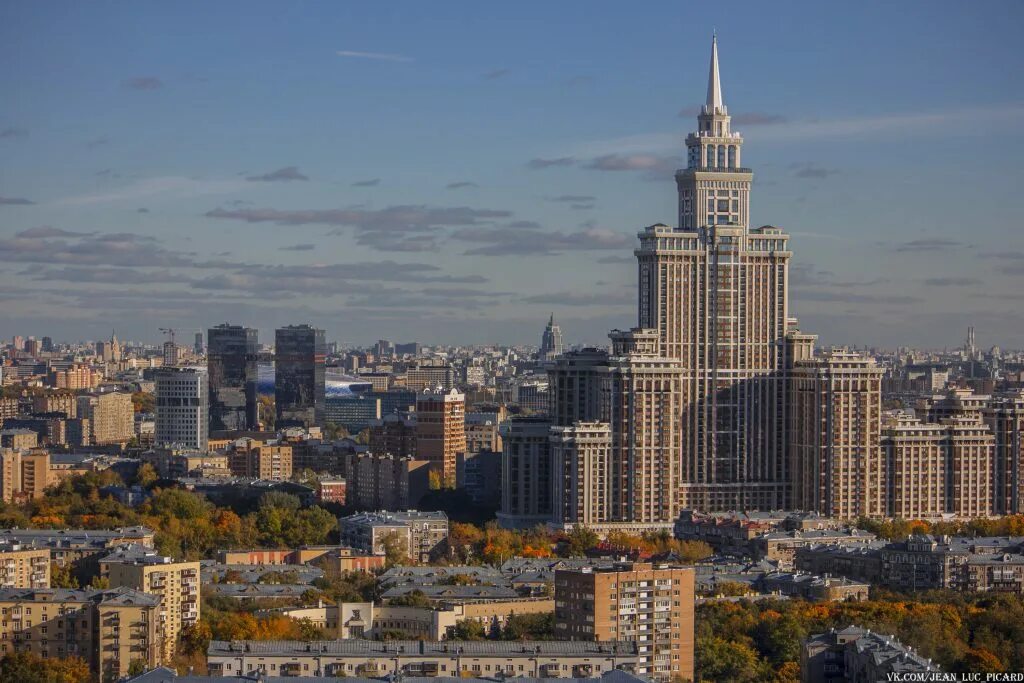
(231,361)
(299,355)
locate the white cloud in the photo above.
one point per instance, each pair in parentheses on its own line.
(379,56)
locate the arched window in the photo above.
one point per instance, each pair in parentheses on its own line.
(709,161)
(732,156)
(721,156)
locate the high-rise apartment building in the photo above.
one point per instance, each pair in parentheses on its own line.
(299,384)
(111,417)
(270,461)
(181,414)
(651,605)
(1005,417)
(429,376)
(934,470)
(835,415)
(231,366)
(526,486)
(580,458)
(176,584)
(694,397)
(440,429)
(24,474)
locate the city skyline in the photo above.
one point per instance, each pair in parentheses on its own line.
(501,192)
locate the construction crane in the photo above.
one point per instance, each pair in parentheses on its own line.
(169,331)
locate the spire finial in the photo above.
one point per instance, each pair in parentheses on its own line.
(714,102)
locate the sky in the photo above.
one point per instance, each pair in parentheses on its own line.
(454,172)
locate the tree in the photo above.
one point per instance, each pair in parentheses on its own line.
(146,475)
(279,499)
(195,638)
(395,549)
(582,539)
(722,660)
(61,576)
(137,667)
(538,626)
(28,667)
(415,598)
(468,629)
(143,402)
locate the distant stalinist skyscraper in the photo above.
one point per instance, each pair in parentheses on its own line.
(688,410)
(716,291)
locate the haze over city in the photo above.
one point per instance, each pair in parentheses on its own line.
(452,173)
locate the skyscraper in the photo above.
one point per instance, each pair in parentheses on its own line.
(716,291)
(551,341)
(695,396)
(231,362)
(299,389)
(181,414)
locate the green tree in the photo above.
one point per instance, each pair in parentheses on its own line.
(468,629)
(723,660)
(28,667)
(395,550)
(146,475)
(581,539)
(61,576)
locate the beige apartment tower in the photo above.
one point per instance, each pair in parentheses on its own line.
(176,584)
(835,418)
(440,429)
(580,459)
(634,602)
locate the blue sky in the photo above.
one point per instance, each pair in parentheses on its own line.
(452,172)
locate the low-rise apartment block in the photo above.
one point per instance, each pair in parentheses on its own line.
(423,535)
(855,654)
(375,659)
(110,629)
(24,566)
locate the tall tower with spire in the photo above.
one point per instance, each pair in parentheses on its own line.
(551,341)
(716,293)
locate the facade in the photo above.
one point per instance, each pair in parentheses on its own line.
(331,491)
(482,433)
(231,367)
(299,384)
(1005,417)
(24,566)
(354,413)
(580,472)
(181,408)
(370,620)
(440,429)
(551,341)
(423,377)
(111,417)
(834,438)
(526,477)
(24,474)
(377,659)
(652,606)
(55,402)
(109,629)
(385,482)
(174,584)
(270,461)
(394,434)
(935,471)
(855,654)
(424,535)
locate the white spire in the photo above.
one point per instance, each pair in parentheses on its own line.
(714,103)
